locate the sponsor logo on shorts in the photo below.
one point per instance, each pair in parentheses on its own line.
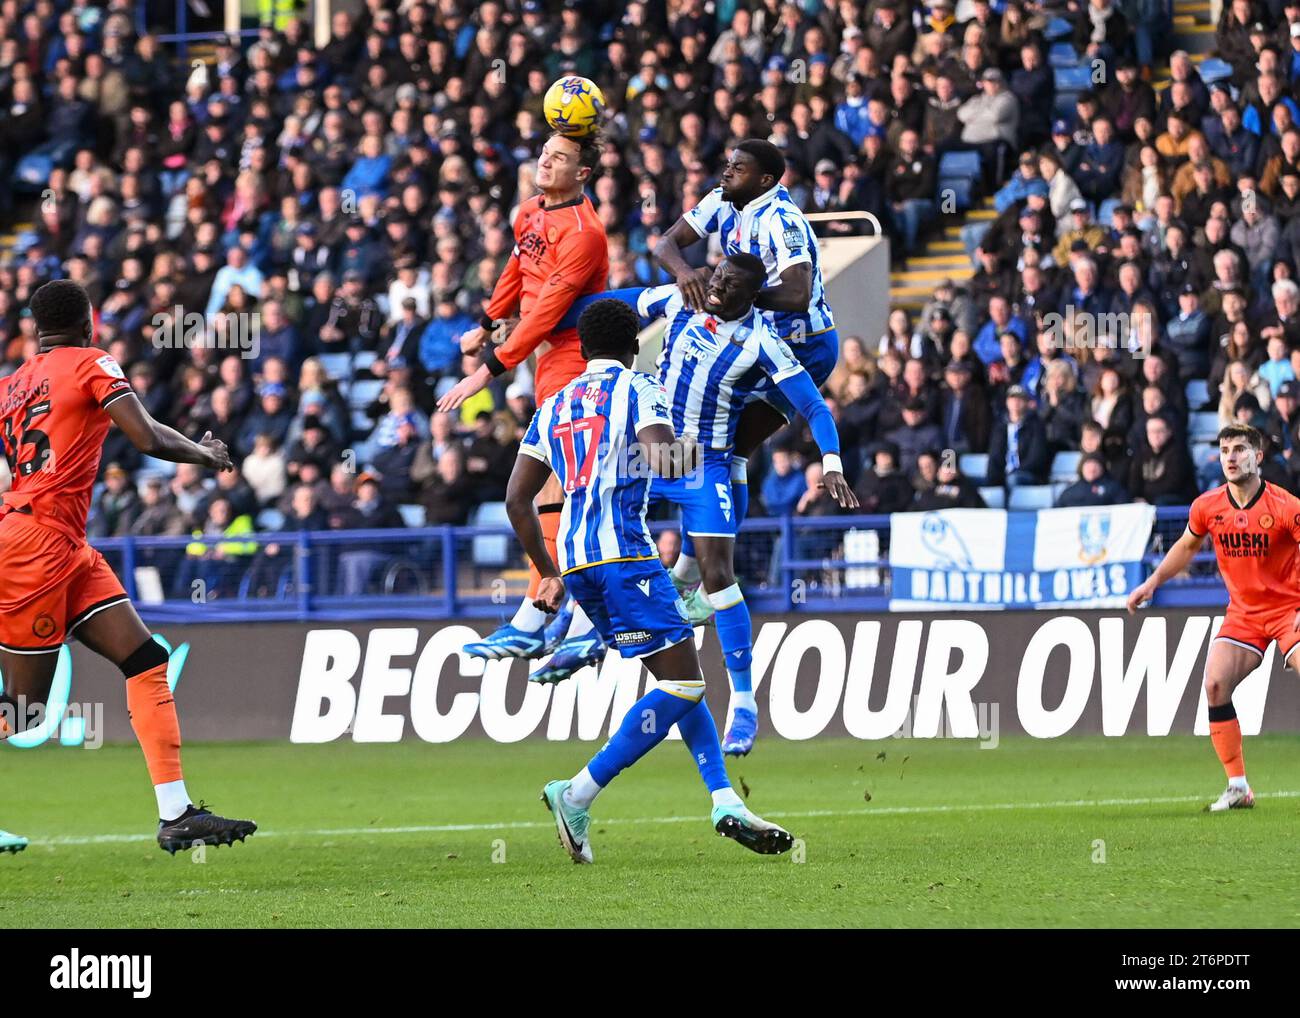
(633,638)
(43,627)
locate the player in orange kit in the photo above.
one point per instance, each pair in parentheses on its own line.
(560,254)
(55,412)
(1255,528)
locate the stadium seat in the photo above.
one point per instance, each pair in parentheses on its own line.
(1198,393)
(1058,28)
(1065,466)
(1057,488)
(270,519)
(361,423)
(490,549)
(974,465)
(1203,426)
(1073,79)
(361,360)
(962,190)
(364,392)
(1062,54)
(1031,496)
(1213,70)
(337,365)
(994,497)
(159,468)
(412,515)
(959,165)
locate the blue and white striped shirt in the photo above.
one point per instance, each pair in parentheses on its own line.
(709,367)
(587,434)
(772,228)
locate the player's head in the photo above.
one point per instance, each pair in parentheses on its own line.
(61,309)
(733,286)
(608,329)
(1240,449)
(566,164)
(755,166)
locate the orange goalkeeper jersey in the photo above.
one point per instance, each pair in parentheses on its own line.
(1255,545)
(560,254)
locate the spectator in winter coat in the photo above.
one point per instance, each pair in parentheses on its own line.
(1018,452)
(1094,486)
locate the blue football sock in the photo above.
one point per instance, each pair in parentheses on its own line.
(701,738)
(740,488)
(735,633)
(642,729)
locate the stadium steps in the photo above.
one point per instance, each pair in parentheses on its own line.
(945,257)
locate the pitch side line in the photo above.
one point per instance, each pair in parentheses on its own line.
(524,825)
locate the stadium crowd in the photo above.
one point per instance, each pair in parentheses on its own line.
(358,196)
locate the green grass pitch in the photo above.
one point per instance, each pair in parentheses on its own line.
(421,835)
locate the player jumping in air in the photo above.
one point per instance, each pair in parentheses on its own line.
(713,361)
(1255,528)
(751,212)
(55,411)
(560,254)
(603,436)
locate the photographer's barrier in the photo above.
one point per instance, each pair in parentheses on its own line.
(868,677)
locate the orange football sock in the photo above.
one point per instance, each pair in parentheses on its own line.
(550,520)
(153,718)
(1226,736)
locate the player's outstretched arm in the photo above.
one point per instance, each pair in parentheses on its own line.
(793,293)
(526,481)
(799,389)
(668,253)
(628,295)
(162,442)
(1176,560)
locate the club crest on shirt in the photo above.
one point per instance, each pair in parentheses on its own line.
(1266,522)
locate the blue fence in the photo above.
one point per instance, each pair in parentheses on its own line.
(835,563)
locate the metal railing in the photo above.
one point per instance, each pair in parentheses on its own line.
(784,564)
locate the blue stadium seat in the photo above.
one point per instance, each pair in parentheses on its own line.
(1031,496)
(1062,54)
(159,468)
(1198,393)
(1203,426)
(974,465)
(959,165)
(361,423)
(1073,79)
(1065,466)
(1057,488)
(337,365)
(412,515)
(362,359)
(994,498)
(962,190)
(490,549)
(364,392)
(1212,70)
(270,519)
(1058,28)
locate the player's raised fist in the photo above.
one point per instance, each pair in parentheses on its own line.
(550,594)
(218,454)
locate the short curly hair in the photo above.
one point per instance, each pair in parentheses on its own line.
(608,328)
(60,305)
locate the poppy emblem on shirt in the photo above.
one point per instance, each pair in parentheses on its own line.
(1241,521)
(1266,522)
(711,324)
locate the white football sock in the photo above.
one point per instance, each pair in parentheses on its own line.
(581,625)
(582,790)
(745,700)
(687,568)
(1238,783)
(727,797)
(173,800)
(529,617)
